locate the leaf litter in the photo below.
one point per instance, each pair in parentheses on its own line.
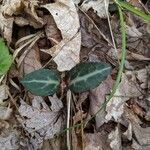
(41,121)
(61,34)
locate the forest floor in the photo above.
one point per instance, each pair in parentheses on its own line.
(48,34)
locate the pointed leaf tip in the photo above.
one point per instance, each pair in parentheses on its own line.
(41,82)
(86,76)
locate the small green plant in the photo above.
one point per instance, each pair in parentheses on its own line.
(42,82)
(5,58)
(83,77)
(87,76)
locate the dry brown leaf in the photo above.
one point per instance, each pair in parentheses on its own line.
(97,98)
(127,89)
(142,134)
(128,132)
(79,116)
(75,142)
(51,30)
(133,31)
(129,55)
(142,76)
(100,7)
(141,139)
(66,53)
(58,143)
(5,112)
(26,10)
(30,8)
(89,39)
(135,3)
(20,21)
(10,141)
(6,25)
(28,20)
(137,45)
(136,146)
(94,31)
(95,141)
(135,56)
(25,43)
(54,144)
(115,137)
(82,97)
(12,7)
(41,121)
(3,95)
(130,116)
(137,110)
(32,60)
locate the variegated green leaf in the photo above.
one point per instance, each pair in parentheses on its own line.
(5,58)
(86,76)
(41,82)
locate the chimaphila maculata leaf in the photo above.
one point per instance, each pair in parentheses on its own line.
(41,82)
(86,76)
(5,58)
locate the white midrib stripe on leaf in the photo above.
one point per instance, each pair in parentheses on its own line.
(41,81)
(85,77)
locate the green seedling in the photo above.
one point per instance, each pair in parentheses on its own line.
(83,77)
(5,58)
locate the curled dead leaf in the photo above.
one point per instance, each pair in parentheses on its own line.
(66,52)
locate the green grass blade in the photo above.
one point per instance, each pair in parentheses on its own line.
(134,10)
(123,54)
